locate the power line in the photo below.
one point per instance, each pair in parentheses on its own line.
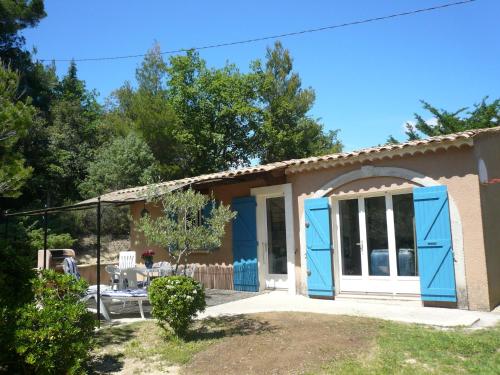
(277,36)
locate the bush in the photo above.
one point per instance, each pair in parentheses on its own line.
(176,300)
(54,332)
(54,241)
(15,290)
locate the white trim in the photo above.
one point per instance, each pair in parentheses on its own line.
(261,194)
(418,179)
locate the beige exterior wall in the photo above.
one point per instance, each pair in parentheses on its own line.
(455,168)
(223,193)
(488,150)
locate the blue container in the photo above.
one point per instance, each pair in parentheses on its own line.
(379,262)
(406,262)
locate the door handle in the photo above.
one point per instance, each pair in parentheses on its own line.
(308,272)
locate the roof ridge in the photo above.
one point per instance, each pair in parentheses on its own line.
(295,162)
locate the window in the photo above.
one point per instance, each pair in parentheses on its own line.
(404,227)
(376,236)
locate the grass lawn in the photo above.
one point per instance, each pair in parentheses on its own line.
(297,343)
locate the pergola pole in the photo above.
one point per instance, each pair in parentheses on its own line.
(45,219)
(6,228)
(99,261)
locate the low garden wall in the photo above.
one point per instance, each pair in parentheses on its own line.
(89,273)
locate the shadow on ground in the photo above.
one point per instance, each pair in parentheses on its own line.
(228,326)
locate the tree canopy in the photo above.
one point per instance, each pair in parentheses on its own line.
(16,116)
(287,131)
(482,115)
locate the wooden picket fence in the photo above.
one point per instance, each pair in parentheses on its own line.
(215,276)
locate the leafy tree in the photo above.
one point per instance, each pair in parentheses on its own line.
(16,117)
(73,136)
(195,119)
(125,162)
(287,131)
(217,112)
(16,15)
(483,115)
(35,78)
(180,230)
(147,112)
(391,140)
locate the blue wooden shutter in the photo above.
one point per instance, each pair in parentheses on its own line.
(319,245)
(246,276)
(434,244)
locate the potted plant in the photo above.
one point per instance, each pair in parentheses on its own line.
(148,258)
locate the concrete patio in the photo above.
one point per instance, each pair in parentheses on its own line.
(401,311)
(228,302)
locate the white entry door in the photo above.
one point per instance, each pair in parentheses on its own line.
(376,242)
(275,254)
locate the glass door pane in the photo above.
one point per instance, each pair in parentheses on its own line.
(404,222)
(276,235)
(350,242)
(376,236)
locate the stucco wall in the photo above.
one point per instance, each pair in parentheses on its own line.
(223,193)
(488,149)
(455,168)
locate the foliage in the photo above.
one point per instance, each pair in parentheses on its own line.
(73,135)
(16,117)
(55,332)
(16,16)
(54,241)
(180,230)
(175,301)
(391,140)
(15,290)
(483,115)
(125,162)
(287,131)
(217,112)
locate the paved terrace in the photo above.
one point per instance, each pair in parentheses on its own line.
(401,311)
(227,302)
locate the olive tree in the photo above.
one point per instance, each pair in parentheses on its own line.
(190,221)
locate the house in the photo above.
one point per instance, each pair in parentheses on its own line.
(417,220)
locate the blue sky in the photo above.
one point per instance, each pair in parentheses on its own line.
(368,78)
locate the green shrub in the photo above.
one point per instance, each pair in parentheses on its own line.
(54,241)
(15,290)
(54,333)
(176,300)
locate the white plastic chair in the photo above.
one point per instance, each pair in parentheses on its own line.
(165,269)
(126,260)
(114,274)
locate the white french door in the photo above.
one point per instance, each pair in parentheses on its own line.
(376,241)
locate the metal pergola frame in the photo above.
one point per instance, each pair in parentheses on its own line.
(74,207)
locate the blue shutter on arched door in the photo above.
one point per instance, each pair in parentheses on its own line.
(434,244)
(246,275)
(318,248)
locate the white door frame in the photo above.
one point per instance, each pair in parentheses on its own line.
(392,284)
(261,194)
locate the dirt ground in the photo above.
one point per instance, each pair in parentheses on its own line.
(285,343)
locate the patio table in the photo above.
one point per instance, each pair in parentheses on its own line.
(148,272)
